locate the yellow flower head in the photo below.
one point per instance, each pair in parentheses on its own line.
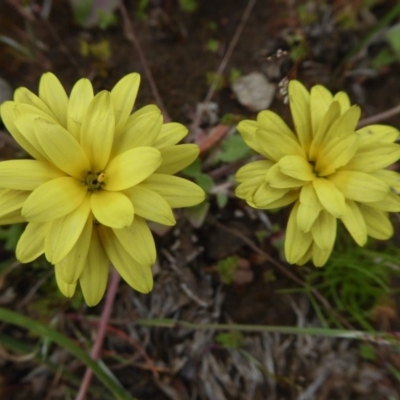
(98,173)
(327,168)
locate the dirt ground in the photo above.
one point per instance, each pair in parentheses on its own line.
(181,48)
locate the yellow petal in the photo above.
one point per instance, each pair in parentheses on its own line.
(150,205)
(13,217)
(320,100)
(327,121)
(66,289)
(123,96)
(80,98)
(330,196)
(11,200)
(170,134)
(62,149)
(71,266)
(343,99)
(389,203)
(53,200)
(296,167)
(286,199)
(344,125)
(97,131)
(138,241)
(335,154)
(112,209)
(141,129)
(353,220)
(137,275)
(278,180)
(320,256)
(299,100)
(374,157)
(309,208)
(177,192)
(132,167)
(307,256)
(53,94)
(26,97)
(391,178)
(359,186)
(297,243)
(272,122)
(377,133)
(31,243)
(277,146)
(253,170)
(93,280)
(175,158)
(21,126)
(26,174)
(265,195)
(323,230)
(377,221)
(247,130)
(67,239)
(249,186)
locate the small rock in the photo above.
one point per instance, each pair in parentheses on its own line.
(254,91)
(6,91)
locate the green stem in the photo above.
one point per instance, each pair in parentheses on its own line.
(110,382)
(335,333)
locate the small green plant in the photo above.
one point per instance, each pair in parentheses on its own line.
(354,281)
(189,5)
(212,45)
(232,340)
(227,268)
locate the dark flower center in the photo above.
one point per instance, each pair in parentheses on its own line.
(95,181)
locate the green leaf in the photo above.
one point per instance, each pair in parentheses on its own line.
(193,169)
(222,200)
(232,340)
(81,10)
(234,75)
(227,268)
(213,45)
(384,58)
(367,351)
(205,182)
(103,375)
(393,37)
(233,149)
(189,5)
(197,214)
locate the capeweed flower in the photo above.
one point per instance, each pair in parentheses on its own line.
(98,173)
(326,167)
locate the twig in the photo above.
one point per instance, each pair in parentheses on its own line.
(224,62)
(379,117)
(104,319)
(130,35)
(121,334)
(285,271)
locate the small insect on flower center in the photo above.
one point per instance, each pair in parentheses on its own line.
(95,181)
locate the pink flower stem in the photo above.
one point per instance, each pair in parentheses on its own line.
(102,327)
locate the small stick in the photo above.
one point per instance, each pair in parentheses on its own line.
(130,35)
(98,343)
(285,271)
(224,62)
(379,117)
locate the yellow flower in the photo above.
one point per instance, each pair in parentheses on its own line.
(327,168)
(98,173)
